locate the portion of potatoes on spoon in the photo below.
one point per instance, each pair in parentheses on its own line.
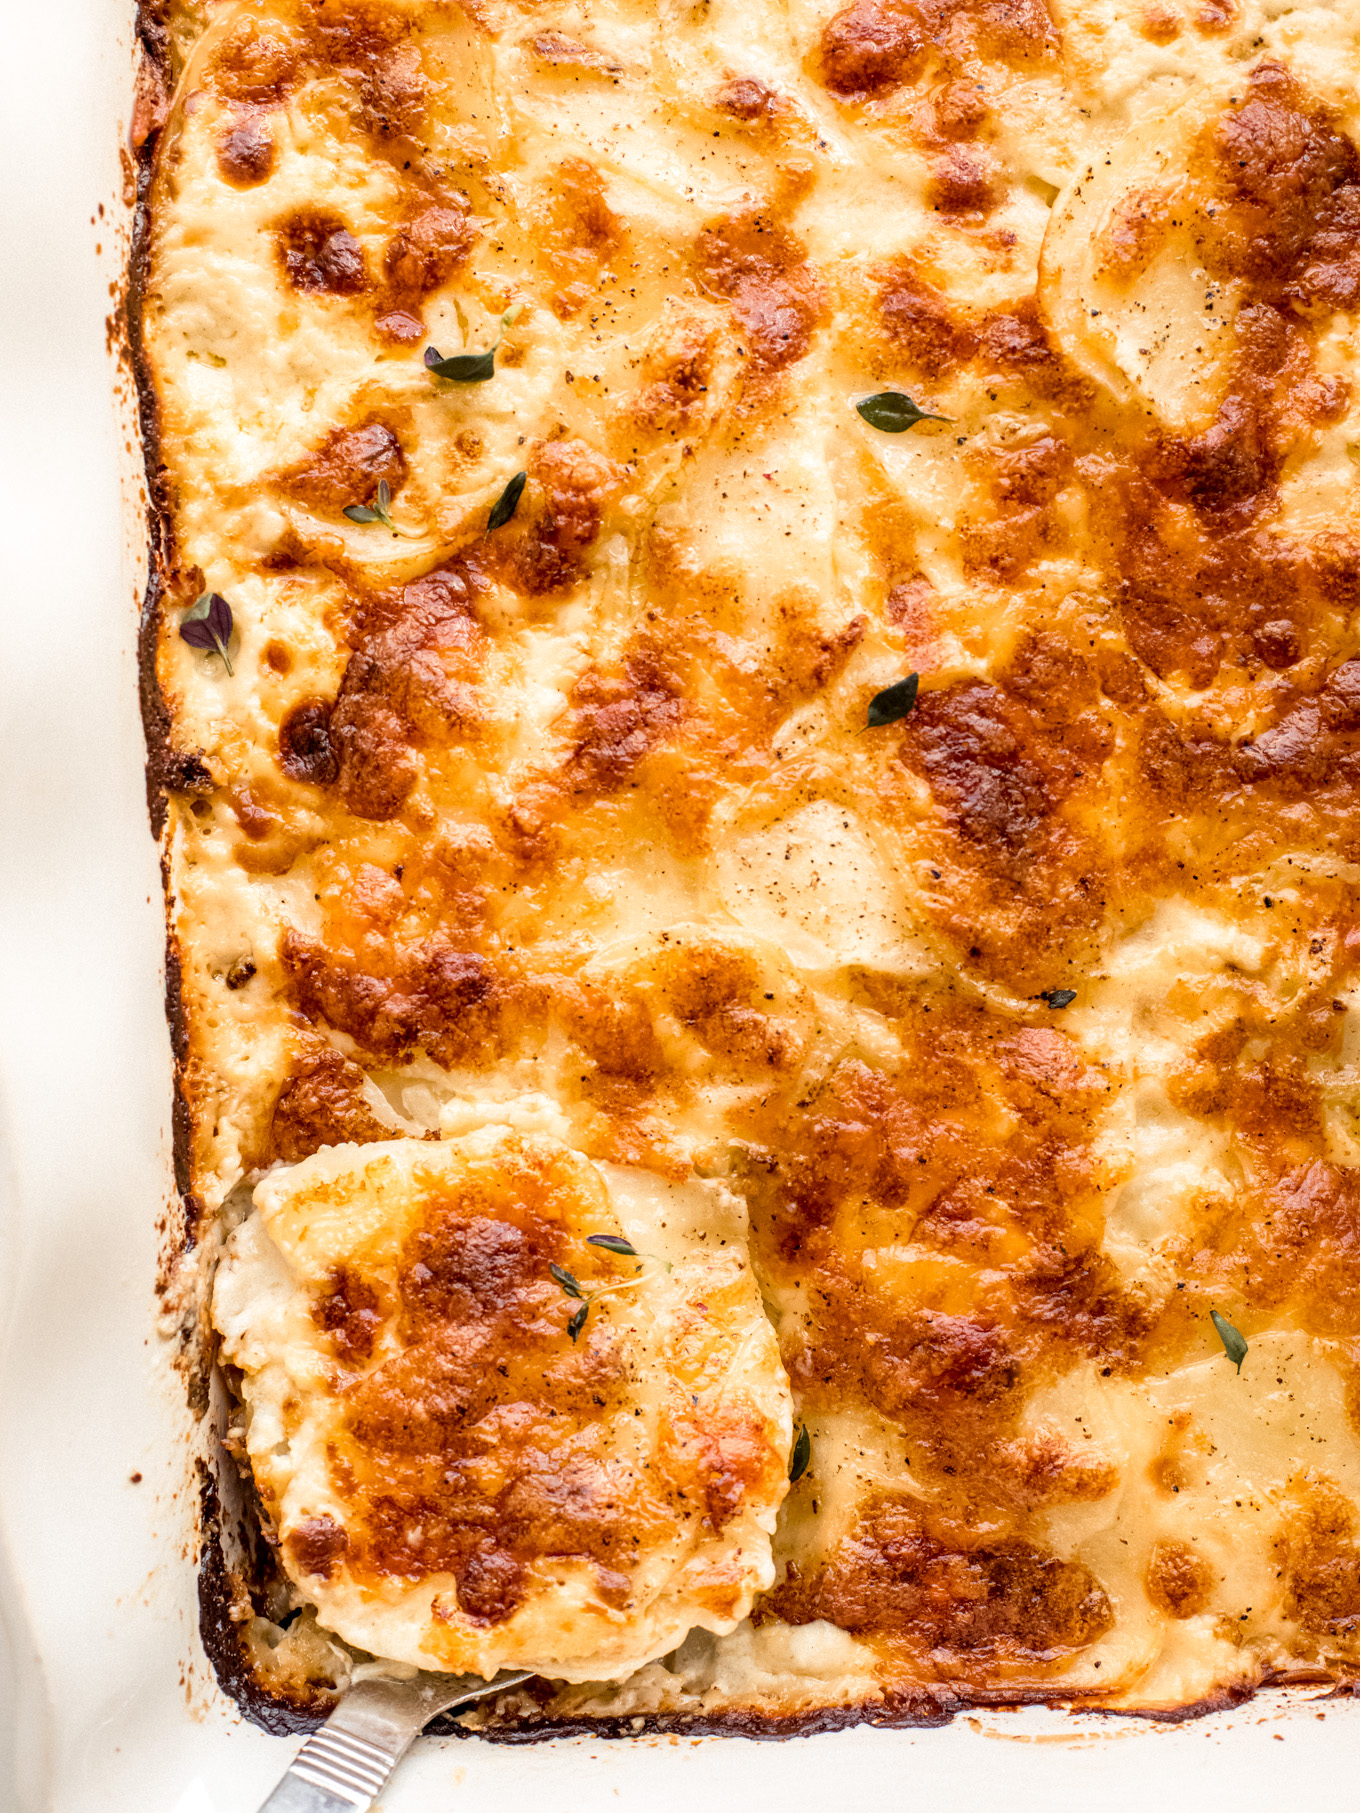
(507,1410)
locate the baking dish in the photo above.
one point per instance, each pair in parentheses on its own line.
(106,1697)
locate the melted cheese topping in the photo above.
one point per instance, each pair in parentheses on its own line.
(459,1481)
(1025,1027)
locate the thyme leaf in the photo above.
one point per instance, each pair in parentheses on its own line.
(1234,1345)
(380,510)
(613,1243)
(893,702)
(469,368)
(507,503)
(463,368)
(622,1249)
(802,1454)
(1058,997)
(208,624)
(893,412)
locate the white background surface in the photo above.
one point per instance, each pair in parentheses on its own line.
(106,1703)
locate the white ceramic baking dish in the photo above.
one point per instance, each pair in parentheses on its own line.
(107,1702)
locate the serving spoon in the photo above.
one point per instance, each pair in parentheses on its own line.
(347,1763)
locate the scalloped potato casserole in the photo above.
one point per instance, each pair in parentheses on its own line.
(753,683)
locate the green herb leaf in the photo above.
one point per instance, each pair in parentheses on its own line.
(613,1243)
(893,412)
(507,503)
(802,1454)
(463,368)
(470,368)
(1059,997)
(378,511)
(893,702)
(1233,1343)
(207,624)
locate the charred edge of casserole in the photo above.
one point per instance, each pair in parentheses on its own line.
(222,1596)
(923,1708)
(222,1586)
(163,770)
(926,1710)
(152,37)
(181,1119)
(153,29)
(907,1708)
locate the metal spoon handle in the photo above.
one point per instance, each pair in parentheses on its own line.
(346,1764)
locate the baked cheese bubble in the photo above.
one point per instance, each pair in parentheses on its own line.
(507,1408)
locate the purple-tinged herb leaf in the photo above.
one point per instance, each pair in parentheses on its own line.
(802,1454)
(613,1243)
(507,503)
(1059,997)
(207,624)
(893,702)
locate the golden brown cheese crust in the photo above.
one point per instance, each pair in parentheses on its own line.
(585,806)
(470,1467)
